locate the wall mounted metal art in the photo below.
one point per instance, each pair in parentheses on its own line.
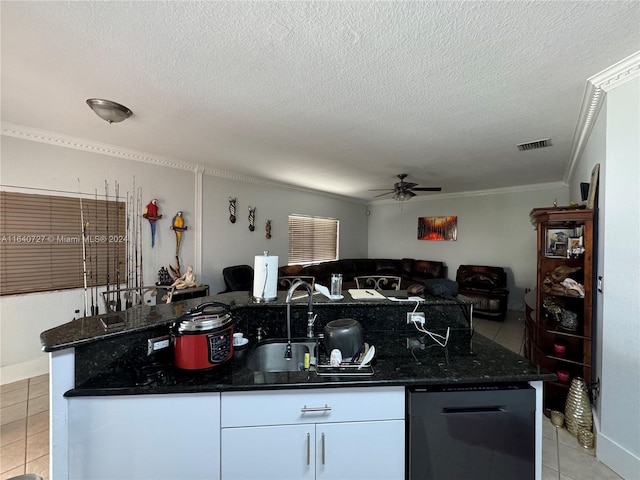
(267,228)
(232,210)
(252,218)
(438,228)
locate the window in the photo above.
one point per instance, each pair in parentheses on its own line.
(41,243)
(312,239)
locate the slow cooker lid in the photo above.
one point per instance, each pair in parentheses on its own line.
(204,322)
(204,317)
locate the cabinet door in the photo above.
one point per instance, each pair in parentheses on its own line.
(139,437)
(371,450)
(279,452)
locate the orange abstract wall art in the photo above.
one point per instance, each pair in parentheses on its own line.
(438,228)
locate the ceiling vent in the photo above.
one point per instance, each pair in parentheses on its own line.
(534,145)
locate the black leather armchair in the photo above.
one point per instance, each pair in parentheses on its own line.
(238,278)
(487,287)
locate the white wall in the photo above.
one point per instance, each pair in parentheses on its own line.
(493,229)
(45,167)
(619,435)
(595,152)
(226,243)
(42,166)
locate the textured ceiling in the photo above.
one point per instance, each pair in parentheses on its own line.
(334,96)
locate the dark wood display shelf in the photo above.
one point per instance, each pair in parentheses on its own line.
(542,331)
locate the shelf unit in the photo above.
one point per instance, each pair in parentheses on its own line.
(558,319)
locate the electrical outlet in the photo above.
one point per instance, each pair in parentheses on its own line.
(415,316)
(157,343)
(413,343)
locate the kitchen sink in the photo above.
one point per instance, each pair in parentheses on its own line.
(268,356)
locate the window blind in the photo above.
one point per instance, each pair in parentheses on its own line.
(41,242)
(312,239)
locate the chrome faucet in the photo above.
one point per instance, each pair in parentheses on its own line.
(311,318)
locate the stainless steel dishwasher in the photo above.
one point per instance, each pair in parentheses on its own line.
(483,432)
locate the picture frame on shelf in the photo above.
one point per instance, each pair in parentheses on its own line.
(556,241)
(561,249)
(575,247)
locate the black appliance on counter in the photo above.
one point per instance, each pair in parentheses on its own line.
(481,432)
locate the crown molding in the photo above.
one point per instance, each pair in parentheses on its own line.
(478,193)
(66,141)
(60,140)
(592,100)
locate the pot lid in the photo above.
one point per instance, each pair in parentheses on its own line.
(204,322)
(205,317)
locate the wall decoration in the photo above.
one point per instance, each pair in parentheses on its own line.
(178,226)
(152,214)
(438,228)
(232,210)
(267,228)
(593,186)
(252,218)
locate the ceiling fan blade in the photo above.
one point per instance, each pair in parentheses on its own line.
(405,185)
(383,194)
(381,190)
(428,189)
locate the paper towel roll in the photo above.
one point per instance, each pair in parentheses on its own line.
(265,278)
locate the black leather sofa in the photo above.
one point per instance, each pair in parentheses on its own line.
(412,271)
(486,286)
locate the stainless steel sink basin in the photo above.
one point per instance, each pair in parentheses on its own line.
(269,356)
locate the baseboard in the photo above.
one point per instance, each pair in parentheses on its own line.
(21,371)
(617,458)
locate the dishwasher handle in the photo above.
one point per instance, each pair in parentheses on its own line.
(474,410)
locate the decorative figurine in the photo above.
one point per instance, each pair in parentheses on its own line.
(232,210)
(152,214)
(178,226)
(163,277)
(252,218)
(187,280)
(267,228)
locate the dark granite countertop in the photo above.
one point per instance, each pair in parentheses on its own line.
(483,362)
(90,329)
(115,362)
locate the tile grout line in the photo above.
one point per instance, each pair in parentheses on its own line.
(26,427)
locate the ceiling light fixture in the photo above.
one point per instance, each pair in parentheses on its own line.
(108,110)
(403,195)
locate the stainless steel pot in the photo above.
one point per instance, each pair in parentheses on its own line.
(345,334)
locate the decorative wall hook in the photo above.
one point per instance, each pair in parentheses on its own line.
(267,228)
(232,210)
(252,218)
(152,214)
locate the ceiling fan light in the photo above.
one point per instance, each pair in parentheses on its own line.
(109,111)
(401,196)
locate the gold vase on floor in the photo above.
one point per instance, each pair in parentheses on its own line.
(577,411)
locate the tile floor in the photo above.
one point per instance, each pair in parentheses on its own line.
(576,462)
(24,427)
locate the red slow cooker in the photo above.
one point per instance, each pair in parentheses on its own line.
(203,338)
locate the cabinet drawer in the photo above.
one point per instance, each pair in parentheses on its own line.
(283,407)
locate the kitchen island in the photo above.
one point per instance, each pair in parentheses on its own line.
(104,385)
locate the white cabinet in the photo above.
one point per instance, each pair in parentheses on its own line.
(307,434)
(160,437)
